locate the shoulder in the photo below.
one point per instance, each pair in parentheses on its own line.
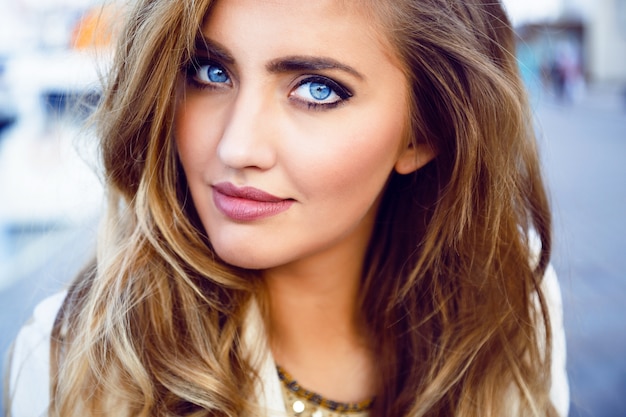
(28,378)
(559,394)
(551,290)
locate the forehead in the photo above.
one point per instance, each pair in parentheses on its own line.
(317,27)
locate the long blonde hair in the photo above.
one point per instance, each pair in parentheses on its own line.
(154,326)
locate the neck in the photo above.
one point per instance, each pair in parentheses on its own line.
(315,329)
(313,307)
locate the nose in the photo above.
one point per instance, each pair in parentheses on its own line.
(248,138)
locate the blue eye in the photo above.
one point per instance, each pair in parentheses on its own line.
(320,91)
(216,74)
(209,73)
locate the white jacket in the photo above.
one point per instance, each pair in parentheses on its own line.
(29,380)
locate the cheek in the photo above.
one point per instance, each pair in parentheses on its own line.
(353,161)
(194,137)
(345,174)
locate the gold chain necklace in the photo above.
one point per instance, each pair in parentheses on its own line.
(301,402)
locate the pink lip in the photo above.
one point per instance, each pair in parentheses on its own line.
(247,203)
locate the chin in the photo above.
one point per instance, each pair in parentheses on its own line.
(241,259)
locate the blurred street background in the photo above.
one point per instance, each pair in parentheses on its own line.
(572,56)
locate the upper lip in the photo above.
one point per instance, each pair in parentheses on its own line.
(248,193)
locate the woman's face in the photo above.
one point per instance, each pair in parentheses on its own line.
(291,121)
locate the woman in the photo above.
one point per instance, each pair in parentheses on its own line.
(337,193)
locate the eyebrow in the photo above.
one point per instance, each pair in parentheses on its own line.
(213,50)
(295,63)
(309,63)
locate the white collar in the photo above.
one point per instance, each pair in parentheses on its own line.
(268,390)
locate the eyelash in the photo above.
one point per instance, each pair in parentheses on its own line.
(343,93)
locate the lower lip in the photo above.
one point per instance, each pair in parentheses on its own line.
(243,209)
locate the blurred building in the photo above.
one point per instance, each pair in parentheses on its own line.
(606,42)
(52,56)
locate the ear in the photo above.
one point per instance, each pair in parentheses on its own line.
(414,157)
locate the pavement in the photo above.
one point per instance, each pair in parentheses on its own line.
(583,147)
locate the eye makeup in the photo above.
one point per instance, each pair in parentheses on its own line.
(319,92)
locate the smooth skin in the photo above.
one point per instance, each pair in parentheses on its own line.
(304,101)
